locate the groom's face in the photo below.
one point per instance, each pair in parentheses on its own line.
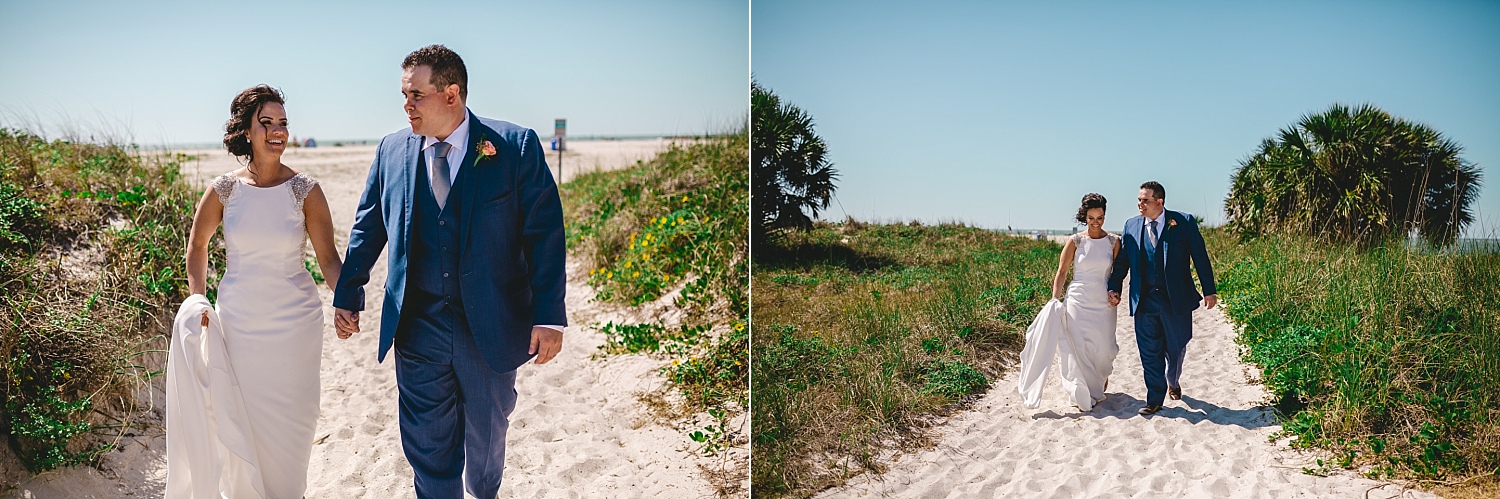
(1148,203)
(432,112)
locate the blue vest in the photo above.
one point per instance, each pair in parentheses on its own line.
(1155,266)
(434,299)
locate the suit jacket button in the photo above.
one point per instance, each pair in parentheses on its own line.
(442,222)
(445,274)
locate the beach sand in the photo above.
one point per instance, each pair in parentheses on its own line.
(579,428)
(1212,443)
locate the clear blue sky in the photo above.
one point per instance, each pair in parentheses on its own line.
(1008,114)
(165,72)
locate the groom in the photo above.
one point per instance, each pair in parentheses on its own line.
(1155,251)
(475,283)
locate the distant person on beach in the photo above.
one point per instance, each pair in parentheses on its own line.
(1160,245)
(243,397)
(1079,322)
(474,225)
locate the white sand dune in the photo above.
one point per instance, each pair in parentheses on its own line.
(578,429)
(1212,443)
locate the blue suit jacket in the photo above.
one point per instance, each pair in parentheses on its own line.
(511,253)
(1180,244)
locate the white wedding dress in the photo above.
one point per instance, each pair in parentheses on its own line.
(1080,330)
(271,320)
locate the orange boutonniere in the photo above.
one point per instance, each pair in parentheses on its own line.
(485,148)
(1171,223)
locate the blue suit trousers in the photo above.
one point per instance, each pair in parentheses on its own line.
(1162,338)
(455,409)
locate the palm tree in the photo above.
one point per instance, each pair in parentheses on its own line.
(793,179)
(1355,174)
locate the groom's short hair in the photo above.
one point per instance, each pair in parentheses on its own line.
(447,67)
(1156,189)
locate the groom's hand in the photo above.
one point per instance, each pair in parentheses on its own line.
(1114,298)
(1211,300)
(545,343)
(346,322)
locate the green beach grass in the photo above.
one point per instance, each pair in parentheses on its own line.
(864,332)
(91,241)
(677,224)
(1385,356)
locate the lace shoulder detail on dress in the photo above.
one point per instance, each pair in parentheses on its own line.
(301,184)
(224,185)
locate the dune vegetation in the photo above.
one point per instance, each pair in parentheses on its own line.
(675,227)
(91,239)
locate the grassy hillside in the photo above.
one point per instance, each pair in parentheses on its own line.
(1388,356)
(91,240)
(862,332)
(676,222)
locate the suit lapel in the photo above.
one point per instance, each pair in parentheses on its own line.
(410,172)
(1141,233)
(478,133)
(1166,222)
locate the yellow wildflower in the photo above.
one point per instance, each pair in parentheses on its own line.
(635,274)
(627,264)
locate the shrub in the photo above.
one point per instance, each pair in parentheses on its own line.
(793,177)
(1355,175)
(78,335)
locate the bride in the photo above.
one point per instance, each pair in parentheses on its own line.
(256,428)
(1078,325)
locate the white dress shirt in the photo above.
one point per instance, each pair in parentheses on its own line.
(1160,226)
(459,140)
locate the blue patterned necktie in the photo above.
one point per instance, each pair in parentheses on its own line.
(440,177)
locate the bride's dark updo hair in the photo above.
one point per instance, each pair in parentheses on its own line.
(1090,201)
(242,114)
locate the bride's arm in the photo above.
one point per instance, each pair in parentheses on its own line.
(320,230)
(1063,263)
(205,223)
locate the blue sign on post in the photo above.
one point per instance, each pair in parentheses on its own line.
(559,143)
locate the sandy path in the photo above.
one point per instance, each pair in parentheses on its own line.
(578,429)
(1212,443)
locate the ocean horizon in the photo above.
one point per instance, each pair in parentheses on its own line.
(374,141)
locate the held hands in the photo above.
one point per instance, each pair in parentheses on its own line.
(1209,301)
(346,321)
(545,343)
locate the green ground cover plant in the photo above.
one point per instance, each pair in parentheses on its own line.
(91,239)
(863,333)
(1387,356)
(676,224)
